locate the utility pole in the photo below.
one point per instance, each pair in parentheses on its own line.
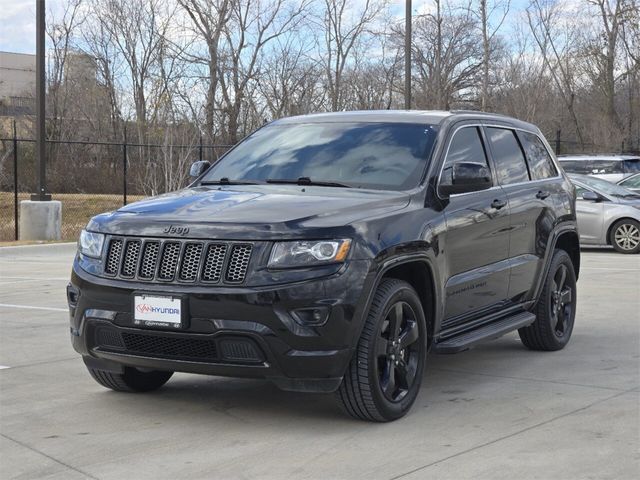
(407,56)
(41,194)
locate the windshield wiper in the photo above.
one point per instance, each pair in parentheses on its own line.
(226,181)
(308,181)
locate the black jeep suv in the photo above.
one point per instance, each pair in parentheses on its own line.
(331,252)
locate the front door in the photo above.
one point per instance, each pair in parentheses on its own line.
(476,240)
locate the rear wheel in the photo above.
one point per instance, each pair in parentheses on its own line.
(384,376)
(556,308)
(131,380)
(625,236)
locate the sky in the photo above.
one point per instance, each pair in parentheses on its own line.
(18,18)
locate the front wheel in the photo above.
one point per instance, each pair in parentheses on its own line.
(384,376)
(556,307)
(625,236)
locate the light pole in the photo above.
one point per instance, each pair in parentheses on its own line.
(41,194)
(40,218)
(407,56)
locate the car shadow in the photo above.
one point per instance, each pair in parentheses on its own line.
(253,401)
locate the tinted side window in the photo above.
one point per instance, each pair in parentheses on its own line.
(540,164)
(632,166)
(510,163)
(466,146)
(576,166)
(605,166)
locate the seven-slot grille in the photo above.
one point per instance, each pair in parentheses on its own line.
(177,260)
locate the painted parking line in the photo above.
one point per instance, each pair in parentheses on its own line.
(3,367)
(31,307)
(53,279)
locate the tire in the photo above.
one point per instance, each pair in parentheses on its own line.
(625,236)
(131,380)
(556,308)
(383,378)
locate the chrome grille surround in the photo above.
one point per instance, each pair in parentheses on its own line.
(238,264)
(214,262)
(190,265)
(130,259)
(177,261)
(169,260)
(113,256)
(149,260)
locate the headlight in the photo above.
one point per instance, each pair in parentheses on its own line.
(90,244)
(309,253)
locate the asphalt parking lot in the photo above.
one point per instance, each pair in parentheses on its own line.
(498,411)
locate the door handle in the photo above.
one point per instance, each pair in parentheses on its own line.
(542,194)
(498,204)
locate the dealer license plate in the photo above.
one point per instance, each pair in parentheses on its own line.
(157,311)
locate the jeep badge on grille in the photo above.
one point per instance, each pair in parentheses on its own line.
(182,231)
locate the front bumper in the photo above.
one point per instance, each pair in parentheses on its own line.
(238,332)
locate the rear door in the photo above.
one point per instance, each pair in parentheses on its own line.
(531,205)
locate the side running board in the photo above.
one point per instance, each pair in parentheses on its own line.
(466,340)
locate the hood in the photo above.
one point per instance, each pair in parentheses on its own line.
(256,211)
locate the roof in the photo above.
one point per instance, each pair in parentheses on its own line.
(432,117)
(598,156)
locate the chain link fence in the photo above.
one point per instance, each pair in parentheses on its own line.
(92,177)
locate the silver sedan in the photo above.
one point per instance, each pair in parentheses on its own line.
(608,214)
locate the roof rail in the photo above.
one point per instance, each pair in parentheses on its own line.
(480,112)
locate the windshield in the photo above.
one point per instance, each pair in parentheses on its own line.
(389,156)
(631,182)
(602,186)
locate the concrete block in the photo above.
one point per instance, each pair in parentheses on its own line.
(40,220)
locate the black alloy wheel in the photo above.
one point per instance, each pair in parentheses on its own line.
(385,373)
(398,351)
(556,307)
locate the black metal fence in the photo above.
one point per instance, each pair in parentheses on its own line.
(95,177)
(91,177)
(565,146)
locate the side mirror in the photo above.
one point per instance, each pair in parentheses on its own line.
(590,196)
(198,168)
(464,177)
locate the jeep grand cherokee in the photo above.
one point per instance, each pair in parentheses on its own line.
(330,253)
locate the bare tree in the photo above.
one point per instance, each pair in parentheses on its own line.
(486,11)
(557,43)
(604,52)
(61,32)
(447,53)
(209,20)
(138,29)
(253,25)
(343,29)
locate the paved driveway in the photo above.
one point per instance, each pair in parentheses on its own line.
(498,411)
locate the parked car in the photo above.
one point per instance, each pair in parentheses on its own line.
(631,183)
(608,167)
(331,252)
(608,214)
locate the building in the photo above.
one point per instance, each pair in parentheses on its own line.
(17,84)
